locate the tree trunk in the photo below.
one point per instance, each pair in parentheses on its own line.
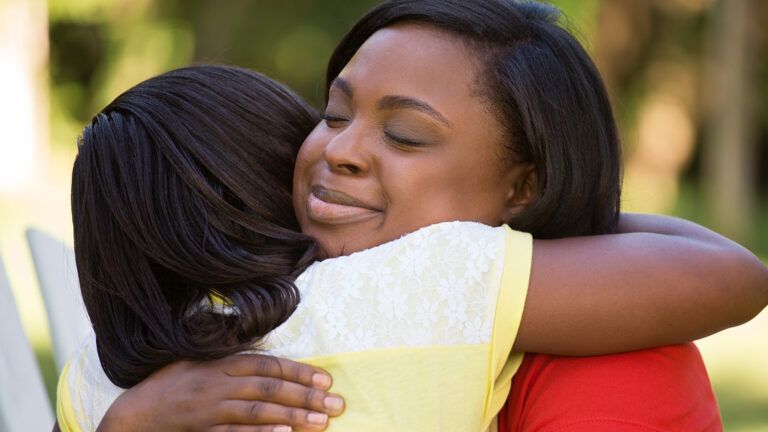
(24,90)
(729,171)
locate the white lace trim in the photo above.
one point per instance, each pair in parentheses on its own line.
(436,286)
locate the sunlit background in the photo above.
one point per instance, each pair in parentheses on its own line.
(689,81)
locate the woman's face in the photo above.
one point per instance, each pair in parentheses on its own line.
(407,142)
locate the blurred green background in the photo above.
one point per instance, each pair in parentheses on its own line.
(689,81)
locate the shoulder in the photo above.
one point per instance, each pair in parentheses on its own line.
(84,392)
(67,413)
(660,389)
(437,237)
(437,285)
(439,248)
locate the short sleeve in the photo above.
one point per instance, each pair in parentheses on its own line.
(518,256)
(430,317)
(437,286)
(84,391)
(65,414)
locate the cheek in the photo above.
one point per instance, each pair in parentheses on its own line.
(449,189)
(312,147)
(423,193)
(310,153)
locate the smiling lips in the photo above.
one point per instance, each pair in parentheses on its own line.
(335,207)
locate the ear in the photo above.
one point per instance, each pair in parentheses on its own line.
(523,184)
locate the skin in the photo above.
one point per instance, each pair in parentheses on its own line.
(358,184)
(397,152)
(408,152)
(267,393)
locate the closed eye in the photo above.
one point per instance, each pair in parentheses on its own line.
(333,120)
(403,141)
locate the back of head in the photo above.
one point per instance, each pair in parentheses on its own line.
(546,94)
(182,190)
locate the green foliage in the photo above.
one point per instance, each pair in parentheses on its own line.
(579,17)
(99,48)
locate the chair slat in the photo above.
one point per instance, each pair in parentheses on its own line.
(57,275)
(24,405)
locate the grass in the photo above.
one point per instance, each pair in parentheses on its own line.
(48,369)
(736,360)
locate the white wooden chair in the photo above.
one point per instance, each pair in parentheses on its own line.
(24,404)
(57,275)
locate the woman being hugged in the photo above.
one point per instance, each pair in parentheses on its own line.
(181,192)
(493,114)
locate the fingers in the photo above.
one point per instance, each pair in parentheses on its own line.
(267,391)
(246,428)
(285,393)
(272,428)
(266,413)
(275,367)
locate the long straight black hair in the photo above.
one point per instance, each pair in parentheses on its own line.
(546,93)
(181,191)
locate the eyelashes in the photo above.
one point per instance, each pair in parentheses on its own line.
(329,118)
(335,121)
(403,141)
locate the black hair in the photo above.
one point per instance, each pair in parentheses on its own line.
(547,95)
(181,190)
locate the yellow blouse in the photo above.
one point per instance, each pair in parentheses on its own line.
(417,333)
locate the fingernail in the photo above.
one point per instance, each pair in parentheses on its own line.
(282,429)
(321,381)
(333,403)
(317,418)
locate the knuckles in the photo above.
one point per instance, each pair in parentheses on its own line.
(255,410)
(270,387)
(311,398)
(267,366)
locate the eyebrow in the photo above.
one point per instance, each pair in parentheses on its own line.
(395,102)
(343,85)
(400,102)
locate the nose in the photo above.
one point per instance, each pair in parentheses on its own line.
(346,154)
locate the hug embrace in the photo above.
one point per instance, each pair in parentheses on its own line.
(249,264)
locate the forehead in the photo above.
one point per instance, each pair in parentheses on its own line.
(413,59)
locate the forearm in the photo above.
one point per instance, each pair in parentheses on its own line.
(671,226)
(741,270)
(613,293)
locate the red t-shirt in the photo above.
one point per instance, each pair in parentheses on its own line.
(661,389)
